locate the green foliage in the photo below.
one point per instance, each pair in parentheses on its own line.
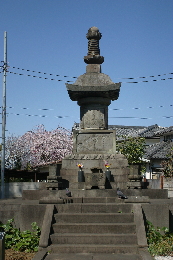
(13,179)
(160,240)
(21,241)
(133,149)
(168,165)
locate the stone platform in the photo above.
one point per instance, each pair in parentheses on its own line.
(93,193)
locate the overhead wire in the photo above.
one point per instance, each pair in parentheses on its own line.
(42,72)
(74,77)
(59,116)
(33,76)
(135,108)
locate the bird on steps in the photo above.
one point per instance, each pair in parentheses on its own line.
(120,194)
(68,193)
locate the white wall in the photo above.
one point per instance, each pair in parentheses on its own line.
(14,189)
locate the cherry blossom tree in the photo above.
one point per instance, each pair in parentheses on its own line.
(38,147)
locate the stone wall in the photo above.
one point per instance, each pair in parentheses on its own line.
(23,214)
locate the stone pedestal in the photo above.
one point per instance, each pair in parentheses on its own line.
(94,166)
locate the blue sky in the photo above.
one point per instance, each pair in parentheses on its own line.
(49,36)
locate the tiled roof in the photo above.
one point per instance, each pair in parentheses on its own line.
(159,150)
(151,131)
(165,130)
(128,131)
(136,131)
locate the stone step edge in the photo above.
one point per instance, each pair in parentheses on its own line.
(94,224)
(93,234)
(95,245)
(67,256)
(94,214)
(97,203)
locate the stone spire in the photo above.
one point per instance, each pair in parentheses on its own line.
(93,56)
(93,90)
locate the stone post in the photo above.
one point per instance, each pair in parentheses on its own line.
(2,245)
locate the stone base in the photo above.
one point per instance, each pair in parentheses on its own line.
(95,171)
(95,180)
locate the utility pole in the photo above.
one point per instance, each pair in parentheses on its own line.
(3,116)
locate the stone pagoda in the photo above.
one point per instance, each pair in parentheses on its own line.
(94,146)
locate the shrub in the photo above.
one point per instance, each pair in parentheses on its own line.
(160,240)
(133,148)
(20,241)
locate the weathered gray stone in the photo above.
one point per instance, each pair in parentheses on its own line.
(138,199)
(41,254)
(140,228)
(157,214)
(46,227)
(29,214)
(94,142)
(97,179)
(93,90)
(54,180)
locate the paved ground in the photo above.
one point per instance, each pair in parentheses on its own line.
(163,258)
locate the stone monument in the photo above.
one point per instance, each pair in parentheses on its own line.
(94,146)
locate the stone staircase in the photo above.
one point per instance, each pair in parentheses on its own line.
(95,226)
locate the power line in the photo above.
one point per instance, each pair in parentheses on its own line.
(116,109)
(74,77)
(33,76)
(159,75)
(45,73)
(68,81)
(60,116)
(30,115)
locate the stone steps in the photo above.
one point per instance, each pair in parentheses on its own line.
(100,228)
(95,208)
(90,256)
(92,248)
(94,218)
(93,230)
(93,238)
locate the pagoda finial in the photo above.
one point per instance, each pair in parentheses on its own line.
(93,56)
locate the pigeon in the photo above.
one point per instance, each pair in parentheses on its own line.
(120,194)
(68,193)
